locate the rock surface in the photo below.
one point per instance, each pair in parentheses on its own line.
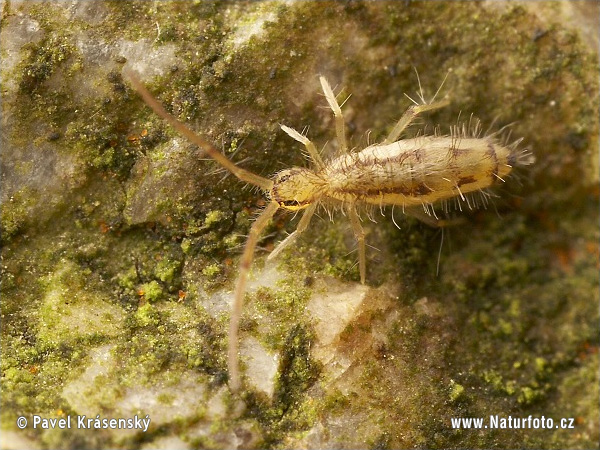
(120,241)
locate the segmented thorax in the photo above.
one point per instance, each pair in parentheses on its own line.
(415,171)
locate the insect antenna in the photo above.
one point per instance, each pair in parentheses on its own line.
(255,231)
(264,183)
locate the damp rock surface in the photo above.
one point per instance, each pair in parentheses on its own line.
(121,241)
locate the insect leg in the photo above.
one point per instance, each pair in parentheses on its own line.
(418,213)
(337,112)
(302,225)
(411,113)
(310,147)
(360,238)
(240,288)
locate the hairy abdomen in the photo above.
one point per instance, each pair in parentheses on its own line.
(416,171)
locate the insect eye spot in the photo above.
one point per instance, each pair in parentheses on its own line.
(292,204)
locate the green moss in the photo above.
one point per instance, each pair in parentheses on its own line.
(128,279)
(297,370)
(16,211)
(69,312)
(528,395)
(147,315)
(45,57)
(211,270)
(283,307)
(325,253)
(290,410)
(14,375)
(213,218)
(166,270)
(541,367)
(166,399)
(457,391)
(336,402)
(152,291)
(231,241)
(186,245)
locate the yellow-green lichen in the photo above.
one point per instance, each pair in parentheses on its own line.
(69,312)
(147,315)
(457,391)
(211,270)
(15,212)
(151,291)
(166,270)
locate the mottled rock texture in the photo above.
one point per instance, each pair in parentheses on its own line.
(120,241)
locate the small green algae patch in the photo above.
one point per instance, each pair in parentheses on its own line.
(16,211)
(211,271)
(290,410)
(281,310)
(326,253)
(456,391)
(71,311)
(46,57)
(151,291)
(147,315)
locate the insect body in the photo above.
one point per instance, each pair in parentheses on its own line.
(416,171)
(411,173)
